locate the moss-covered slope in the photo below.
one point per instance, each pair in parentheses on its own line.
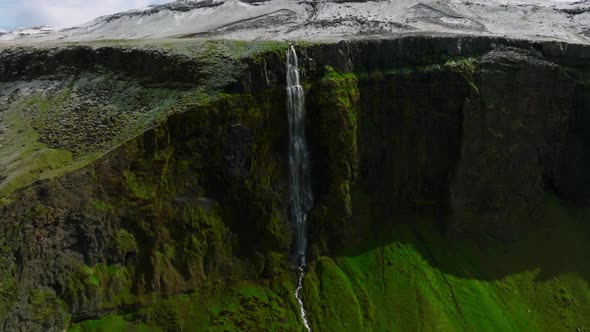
(411,277)
(63,108)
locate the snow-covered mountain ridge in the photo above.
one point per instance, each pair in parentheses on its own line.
(292,19)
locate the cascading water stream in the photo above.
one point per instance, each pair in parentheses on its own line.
(299,170)
(302,311)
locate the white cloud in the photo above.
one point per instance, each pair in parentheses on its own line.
(63,13)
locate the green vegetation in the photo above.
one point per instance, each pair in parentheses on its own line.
(75,121)
(334,113)
(241,306)
(45,305)
(405,276)
(8,293)
(200,48)
(244,306)
(137,188)
(125,243)
(463,65)
(23,157)
(366,272)
(101,205)
(178,242)
(410,277)
(101,287)
(180,209)
(466,67)
(112,323)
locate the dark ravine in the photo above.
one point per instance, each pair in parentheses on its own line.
(437,163)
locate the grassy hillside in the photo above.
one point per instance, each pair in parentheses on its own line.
(411,277)
(90,99)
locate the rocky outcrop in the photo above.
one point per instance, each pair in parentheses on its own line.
(157,66)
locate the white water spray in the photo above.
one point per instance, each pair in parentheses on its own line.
(299,170)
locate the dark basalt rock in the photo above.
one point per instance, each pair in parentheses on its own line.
(514,134)
(446,18)
(19,63)
(282,16)
(576,11)
(238,138)
(255,2)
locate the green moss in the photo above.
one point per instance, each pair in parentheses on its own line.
(49,135)
(330,285)
(53,133)
(277,230)
(125,242)
(275,263)
(139,188)
(67,120)
(410,277)
(383,73)
(43,103)
(40,211)
(234,307)
(260,118)
(466,67)
(24,158)
(206,235)
(45,306)
(101,205)
(107,286)
(8,293)
(247,306)
(112,323)
(407,276)
(334,112)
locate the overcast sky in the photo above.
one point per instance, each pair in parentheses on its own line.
(61,13)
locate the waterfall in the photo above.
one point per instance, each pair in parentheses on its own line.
(301,199)
(300,190)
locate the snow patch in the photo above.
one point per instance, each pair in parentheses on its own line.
(28,32)
(564,20)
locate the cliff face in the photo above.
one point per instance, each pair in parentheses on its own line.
(445,170)
(452,128)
